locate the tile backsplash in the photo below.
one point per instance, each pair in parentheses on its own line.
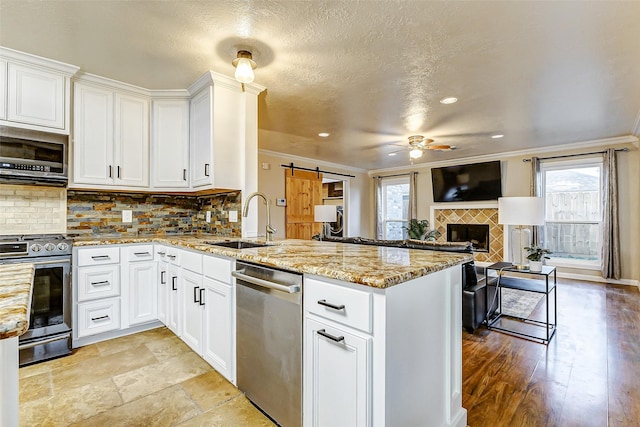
(91,212)
(26,209)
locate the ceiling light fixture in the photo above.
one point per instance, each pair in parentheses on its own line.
(497,136)
(324,134)
(392,154)
(415,153)
(244,67)
(449,100)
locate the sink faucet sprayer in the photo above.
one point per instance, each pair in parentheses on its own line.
(270,230)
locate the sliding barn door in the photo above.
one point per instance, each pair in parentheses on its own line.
(303,191)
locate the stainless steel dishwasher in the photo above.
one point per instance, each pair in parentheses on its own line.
(269,340)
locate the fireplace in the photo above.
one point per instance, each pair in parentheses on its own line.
(477,234)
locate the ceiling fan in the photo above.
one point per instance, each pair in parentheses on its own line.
(418,144)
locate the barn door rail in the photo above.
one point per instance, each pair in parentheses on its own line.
(316,170)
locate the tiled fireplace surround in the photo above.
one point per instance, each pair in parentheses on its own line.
(468,213)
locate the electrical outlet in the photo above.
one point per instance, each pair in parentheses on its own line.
(281,202)
(233,216)
(207,216)
(127,216)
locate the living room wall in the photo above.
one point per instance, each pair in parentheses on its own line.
(516,182)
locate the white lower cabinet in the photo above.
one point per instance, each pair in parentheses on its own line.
(174,300)
(163,291)
(219,331)
(142,292)
(338,369)
(193,292)
(99,316)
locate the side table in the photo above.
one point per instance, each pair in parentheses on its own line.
(537,330)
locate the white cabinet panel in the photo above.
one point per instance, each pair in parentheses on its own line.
(201,138)
(3,90)
(98,282)
(193,310)
(170,143)
(36,96)
(131,140)
(174,300)
(219,331)
(163,291)
(143,292)
(98,256)
(95,317)
(348,306)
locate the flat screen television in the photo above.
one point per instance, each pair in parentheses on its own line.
(465,183)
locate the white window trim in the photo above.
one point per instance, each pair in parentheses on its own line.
(565,164)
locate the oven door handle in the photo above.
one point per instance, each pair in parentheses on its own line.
(41,342)
(64,261)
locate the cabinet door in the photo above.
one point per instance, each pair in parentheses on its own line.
(219,331)
(131,139)
(35,96)
(193,310)
(174,301)
(201,135)
(3,90)
(337,386)
(170,143)
(163,291)
(143,292)
(93,135)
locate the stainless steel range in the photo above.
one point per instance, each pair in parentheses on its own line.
(49,333)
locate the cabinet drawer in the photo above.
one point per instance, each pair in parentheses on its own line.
(140,253)
(217,268)
(191,261)
(344,305)
(98,282)
(98,256)
(160,253)
(100,316)
(173,255)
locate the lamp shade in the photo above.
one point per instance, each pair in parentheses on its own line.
(325,213)
(521,210)
(244,71)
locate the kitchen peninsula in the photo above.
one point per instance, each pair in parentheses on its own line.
(390,355)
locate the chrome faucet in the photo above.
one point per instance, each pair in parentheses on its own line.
(269,229)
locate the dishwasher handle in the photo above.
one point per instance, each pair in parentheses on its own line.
(240,274)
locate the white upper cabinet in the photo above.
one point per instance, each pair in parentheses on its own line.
(201,138)
(111,136)
(35,92)
(170,143)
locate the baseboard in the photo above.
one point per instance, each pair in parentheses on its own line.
(589,278)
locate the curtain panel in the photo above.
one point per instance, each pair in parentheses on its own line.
(377,197)
(413,196)
(535,191)
(611,268)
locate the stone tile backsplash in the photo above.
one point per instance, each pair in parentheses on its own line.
(26,209)
(91,212)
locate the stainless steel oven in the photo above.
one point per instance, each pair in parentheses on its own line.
(49,333)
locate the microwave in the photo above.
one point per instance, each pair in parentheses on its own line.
(33,157)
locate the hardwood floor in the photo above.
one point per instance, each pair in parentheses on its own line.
(588,375)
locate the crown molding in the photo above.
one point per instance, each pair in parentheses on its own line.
(29,59)
(110,83)
(170,94)
(595,143)
(216,79)
(308,160)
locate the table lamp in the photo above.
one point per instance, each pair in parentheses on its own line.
(325,214)
(520,211)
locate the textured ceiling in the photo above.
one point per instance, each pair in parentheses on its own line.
(370,72)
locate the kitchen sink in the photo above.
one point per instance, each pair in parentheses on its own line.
(237,244)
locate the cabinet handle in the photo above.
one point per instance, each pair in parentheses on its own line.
(184,174)
(206,169)
(96,319)
(162,280)
(201,296)
(195,294)
(141,253)
(331,337)
(172,256)
(173,283)
(110,172)
(118,173)
(328,304)
(102,283)
(162,253)
(97,257)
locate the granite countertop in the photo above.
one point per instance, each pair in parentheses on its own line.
(376,266)
(15,298)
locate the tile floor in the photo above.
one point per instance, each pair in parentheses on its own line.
(146,379)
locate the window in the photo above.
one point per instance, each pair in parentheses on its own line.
(395,208)
(573,217)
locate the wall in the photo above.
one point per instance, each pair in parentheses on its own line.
(516,182)
(28,209)
(271,182)
(90,212)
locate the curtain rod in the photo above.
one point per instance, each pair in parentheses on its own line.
(393,176)
(625,149)
(317,170)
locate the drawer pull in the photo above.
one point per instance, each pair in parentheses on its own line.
(201,296)
(161,253)
(206,169)
(184,174)
(97,319)
(101,283)
(172,256)
(331,337)
(142,254)
(195,294)
(328,304)
(97,257)
(173,283)
(162,279)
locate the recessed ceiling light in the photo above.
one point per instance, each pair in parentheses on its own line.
(323,134)
(497,136)
(449,100)
(392,154)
